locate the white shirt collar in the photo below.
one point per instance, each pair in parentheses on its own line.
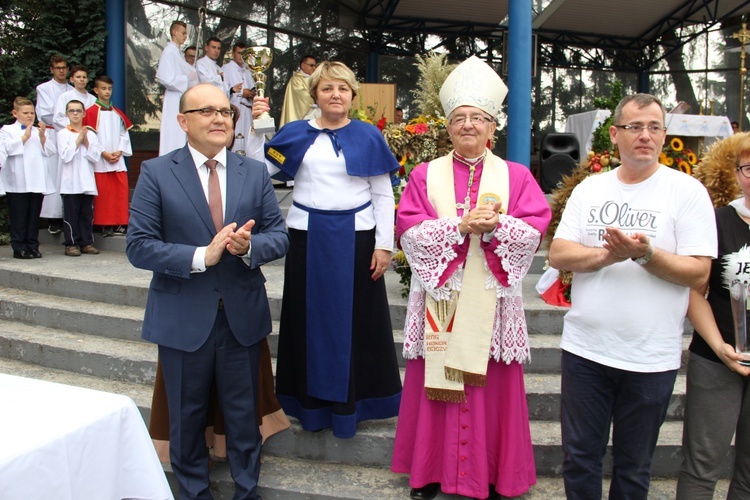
(199,158)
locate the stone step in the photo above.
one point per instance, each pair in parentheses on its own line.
(108,358)
(101,298)
(373,444)
(111,279)
(287,479)
(74,315)
(135,361)
(43,307)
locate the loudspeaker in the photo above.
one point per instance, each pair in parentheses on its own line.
(559,155)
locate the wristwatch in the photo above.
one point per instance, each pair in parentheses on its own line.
(646,257)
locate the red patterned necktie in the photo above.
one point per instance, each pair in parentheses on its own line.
(214,195)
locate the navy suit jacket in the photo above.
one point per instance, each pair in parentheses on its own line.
(169,218)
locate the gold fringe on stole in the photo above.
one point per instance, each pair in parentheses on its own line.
(475,379)
(445,395)
(454,375)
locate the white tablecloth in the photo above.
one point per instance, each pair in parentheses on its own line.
(69,443)
(711,128)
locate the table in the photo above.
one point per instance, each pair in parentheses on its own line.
(711,128)
(69,443)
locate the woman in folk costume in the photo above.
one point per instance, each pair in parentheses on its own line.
(336,362)
(469,224)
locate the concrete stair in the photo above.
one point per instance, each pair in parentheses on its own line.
(77,321)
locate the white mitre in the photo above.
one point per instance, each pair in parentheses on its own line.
(473,83)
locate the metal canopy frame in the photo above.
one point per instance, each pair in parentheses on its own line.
(631,36)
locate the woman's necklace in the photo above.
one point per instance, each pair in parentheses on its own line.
(472,164)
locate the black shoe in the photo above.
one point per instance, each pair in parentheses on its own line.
(54,229)
(425,492)
(108,232)
(21,254)
(34,253)
(121,230)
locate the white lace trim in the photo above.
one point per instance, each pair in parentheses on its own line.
(429,249)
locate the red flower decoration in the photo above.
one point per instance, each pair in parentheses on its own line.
(381,123)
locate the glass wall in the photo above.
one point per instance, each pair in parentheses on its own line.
(329,30)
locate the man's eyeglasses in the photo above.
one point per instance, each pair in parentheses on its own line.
(312,65)
(637,128)
(744,170)
(60,68)
(74,111)
(211,112)
(459,121)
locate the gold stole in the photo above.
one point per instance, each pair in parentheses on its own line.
(458,331)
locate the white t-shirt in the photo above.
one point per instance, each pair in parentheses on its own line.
(623,316)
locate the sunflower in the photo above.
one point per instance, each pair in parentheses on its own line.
(676,144)
(692,159)
(663,158)
(685,167)
(669,161)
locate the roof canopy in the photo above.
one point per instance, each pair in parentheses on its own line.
(644,27)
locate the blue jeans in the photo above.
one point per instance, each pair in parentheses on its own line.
(595,395)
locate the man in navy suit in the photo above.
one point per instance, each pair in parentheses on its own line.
(204,228)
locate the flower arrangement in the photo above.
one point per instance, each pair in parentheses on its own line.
(677,156)
(421,139)
(369,115)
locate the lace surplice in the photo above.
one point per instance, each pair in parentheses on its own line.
(431,246)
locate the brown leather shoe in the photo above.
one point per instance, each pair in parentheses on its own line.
(90,249)
(73,251)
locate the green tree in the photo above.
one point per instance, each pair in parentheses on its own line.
(33,30)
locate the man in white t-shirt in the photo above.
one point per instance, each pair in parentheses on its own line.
(637,238)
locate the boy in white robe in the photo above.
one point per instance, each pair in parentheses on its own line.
(24,150)
(79,77)
(79,151)
(46,100)
(236,73)
(209,71)
(111,126)
(177,76)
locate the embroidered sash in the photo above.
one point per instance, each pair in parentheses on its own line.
(458,331)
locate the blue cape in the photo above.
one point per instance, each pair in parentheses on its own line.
(364,148)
